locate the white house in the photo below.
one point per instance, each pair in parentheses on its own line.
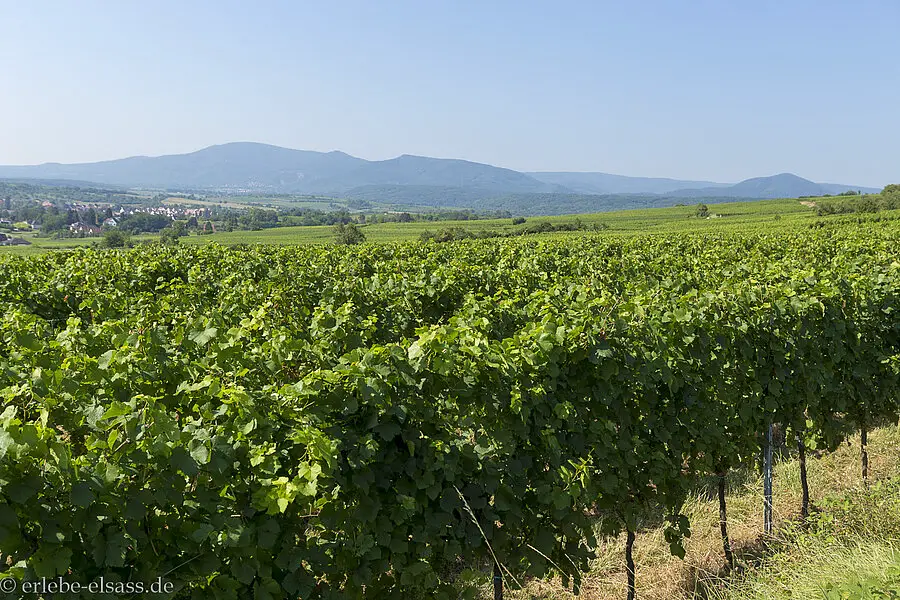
(84,228)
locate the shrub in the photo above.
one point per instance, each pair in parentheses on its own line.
(168,236)
(115,238)
(542,227)
(348,234)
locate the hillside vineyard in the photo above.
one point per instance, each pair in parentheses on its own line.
(357,422)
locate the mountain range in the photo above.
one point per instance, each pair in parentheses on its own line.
(244,167)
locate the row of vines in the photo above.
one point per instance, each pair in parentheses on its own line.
(363,423)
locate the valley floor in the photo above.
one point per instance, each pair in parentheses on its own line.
(764,215)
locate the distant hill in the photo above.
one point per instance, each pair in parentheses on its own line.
(241,165)
(260,167)
(784,185)
(606,183)
(60,183)
(837,188)
(410,170)
(422,195)
(408,180)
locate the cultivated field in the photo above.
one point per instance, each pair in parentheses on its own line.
(763,215)
(414,413)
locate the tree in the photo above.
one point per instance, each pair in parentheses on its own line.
(179,228)
(518,220)
(55,222)
(192,222)
(893,188)
(114,238)
(702,211)
(144,222)
(347,234)
(258,218)
(168,236)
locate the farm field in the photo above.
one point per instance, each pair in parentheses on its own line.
(765,215)
(738,215)
(39,245)
(394,420)
(324,204)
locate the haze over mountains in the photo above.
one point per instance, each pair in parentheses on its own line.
(261,168)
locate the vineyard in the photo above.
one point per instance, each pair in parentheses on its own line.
(367,422)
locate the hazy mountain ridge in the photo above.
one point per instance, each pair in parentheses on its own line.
(607,183)
(783,185)
(258,167)
(408,170)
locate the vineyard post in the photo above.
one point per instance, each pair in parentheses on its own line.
(498,583)
(804,484)
(629,563)
(723,521)
(767,482)
(863,441)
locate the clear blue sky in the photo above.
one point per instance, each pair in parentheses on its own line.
(707,89)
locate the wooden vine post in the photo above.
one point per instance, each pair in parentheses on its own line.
(723,523)
(863,441)
(804,484)
(767,483)
(629,563)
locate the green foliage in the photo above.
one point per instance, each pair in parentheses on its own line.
(331,423)
(889,199)
(114,238)
(702,211)
(348,234)
(141,222)
(170,234)
(847,549)
(882,587)
(861,513)
(450,234)
(258,218)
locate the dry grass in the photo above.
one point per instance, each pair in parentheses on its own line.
(661,576)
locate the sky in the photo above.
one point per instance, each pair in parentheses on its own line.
(700,89)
